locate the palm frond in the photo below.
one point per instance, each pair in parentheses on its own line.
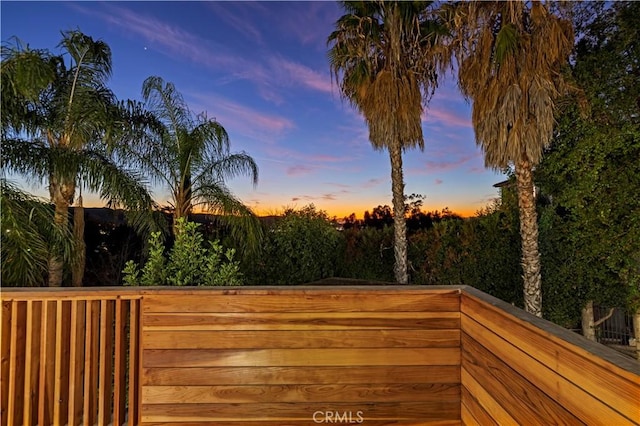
(246,229)
(510,58)
(28,237)
(26,157)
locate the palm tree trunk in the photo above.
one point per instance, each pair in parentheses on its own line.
(529,235)
(399,222)
(77,271)
(61,193)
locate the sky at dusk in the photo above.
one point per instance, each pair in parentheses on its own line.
(261,69)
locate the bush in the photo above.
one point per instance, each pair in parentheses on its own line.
(302,246)
(188,263)
(368,254)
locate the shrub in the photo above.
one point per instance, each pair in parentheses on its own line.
(302,246)
(188,263)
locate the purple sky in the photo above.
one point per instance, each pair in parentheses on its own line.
(261,69)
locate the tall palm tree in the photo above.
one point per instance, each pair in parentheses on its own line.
(383,53)
(28,237)
(190,156)
(57,114)
(511,55)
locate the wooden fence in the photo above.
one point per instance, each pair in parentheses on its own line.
(300,355)
(518,369)
(70,356)
(291,356)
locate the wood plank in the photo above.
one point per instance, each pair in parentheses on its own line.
(65,367)
(16,362)
(296,339)
(472,413)
(43,364)
(57,391)
(524,402)
(135,353)
(300,375)
(92,312)
(607,384)
(362,393)
(301,321)
(32,346)
(47,362)
(320,301)
(299,357)
(137,293)
(283,412)
(566,393)
(76,360)
(71,293)
(104,365)
(5,349)
(486,400)
(120,362)
(306,422)
(599,354)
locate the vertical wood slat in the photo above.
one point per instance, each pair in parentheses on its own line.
(18,360)
(12,385)
(57,392)
(66,360)
(105,359)
(95,361)
(88,337)
(135,349)
(76,351)
(102,369)
(63,378)
(5,342)
(47,362)
(44,325)
(120,362)
(26,412)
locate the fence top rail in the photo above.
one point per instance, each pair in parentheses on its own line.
(113,293)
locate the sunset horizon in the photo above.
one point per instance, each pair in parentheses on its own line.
(262,72)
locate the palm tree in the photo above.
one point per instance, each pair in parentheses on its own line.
(510,59)
(56,118)
(190,156)
(28,237)
(384,55)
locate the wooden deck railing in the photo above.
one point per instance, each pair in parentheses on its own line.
(70,356)
(300,355)
(518,369)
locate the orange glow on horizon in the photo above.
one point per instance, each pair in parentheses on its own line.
(342,212)
(331,211)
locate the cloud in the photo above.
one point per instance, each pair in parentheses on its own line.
(238,17)
(308,21)
(299,170)
(270,79)
(371,183)
(305,22)
(323,197)
(477,170)
(444,166)
(240,118)
(297,74)
(344,186)
(445,118)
